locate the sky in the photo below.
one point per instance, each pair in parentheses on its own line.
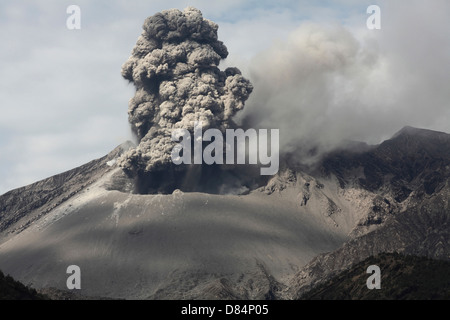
(319,74)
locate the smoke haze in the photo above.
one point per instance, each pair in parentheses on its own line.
(326,84)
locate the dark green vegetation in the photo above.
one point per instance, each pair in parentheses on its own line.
(402,278)
(11,289)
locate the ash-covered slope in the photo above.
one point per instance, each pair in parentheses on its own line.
(423,230)
(270,243)
(20,207)
(182,245)
(413,168)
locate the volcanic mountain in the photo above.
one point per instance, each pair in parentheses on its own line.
(278,240)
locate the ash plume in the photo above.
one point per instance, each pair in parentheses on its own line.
(174,67)
(326,85)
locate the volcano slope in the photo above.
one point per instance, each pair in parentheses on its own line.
(274,242)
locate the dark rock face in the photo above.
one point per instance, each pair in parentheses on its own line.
(423,230)
(414,159)
(404,277)
(414,168)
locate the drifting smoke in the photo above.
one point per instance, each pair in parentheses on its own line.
(327,84)
(174,67)
(306,85)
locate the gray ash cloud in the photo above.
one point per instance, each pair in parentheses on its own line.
(174,67)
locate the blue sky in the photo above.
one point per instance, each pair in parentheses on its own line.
(63,101)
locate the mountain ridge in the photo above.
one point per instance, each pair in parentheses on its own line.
(297,230)
(19,202)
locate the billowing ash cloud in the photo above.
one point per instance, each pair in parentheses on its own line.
(174,67)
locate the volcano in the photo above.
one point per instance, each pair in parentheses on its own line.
(273,241)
